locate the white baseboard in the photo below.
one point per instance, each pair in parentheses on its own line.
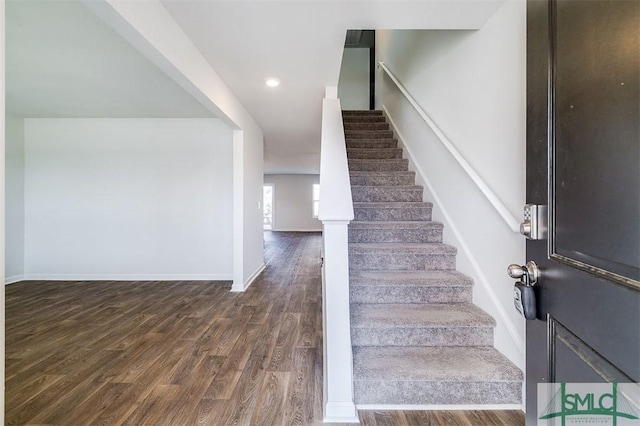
(128,277)
(13,279)
(296,230)
(340,412)
(341,420)
(418,407)
(249,280)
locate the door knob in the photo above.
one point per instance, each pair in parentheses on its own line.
(529,272)
(524,297)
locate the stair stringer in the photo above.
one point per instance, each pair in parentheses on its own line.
(507,340)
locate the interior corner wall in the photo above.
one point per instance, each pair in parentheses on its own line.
(293,202)
(14,198)
(353,85)
(128,199)
(472,84)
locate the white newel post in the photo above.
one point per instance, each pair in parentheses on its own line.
(336,211)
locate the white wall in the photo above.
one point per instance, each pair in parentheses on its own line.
(14,198)
(353,86)
(293,203)
(153,31)
(472,84)
(128,199)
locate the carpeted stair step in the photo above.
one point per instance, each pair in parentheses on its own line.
(360,178)
(392,211)
(374,153)
(401,165)
(410,287)
(405,256)
(404,193)
(382,125)
(364,119)
(395,232)
(372,143)
(368,134)
(446,324)
(351,112)
(434,376)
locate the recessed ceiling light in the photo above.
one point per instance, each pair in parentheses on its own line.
(272,82)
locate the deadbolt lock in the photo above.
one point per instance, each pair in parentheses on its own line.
(534,225)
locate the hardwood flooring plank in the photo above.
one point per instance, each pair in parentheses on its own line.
(16,393)
(270,408)
(121,407)
(368,418)
(419,418)
(390,418)
(318,385)
(228,338)
(180,409)
(207,413)
(308,329)
(299,405)
(285,343)
(152,410)
(87,411)
(223,385)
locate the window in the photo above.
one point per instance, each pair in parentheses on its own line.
(316,199)
(267,206)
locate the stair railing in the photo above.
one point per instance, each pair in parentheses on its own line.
(502,210)
(335,212)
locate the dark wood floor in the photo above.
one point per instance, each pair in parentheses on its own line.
(182,353)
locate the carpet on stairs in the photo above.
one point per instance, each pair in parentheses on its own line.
(417,337)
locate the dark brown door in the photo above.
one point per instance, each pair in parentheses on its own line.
(583,161)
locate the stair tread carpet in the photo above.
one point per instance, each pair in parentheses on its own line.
(369,125)
(399,164)
(372,144)
(352,112)
(409,278)
(410,287)
(368,134)
(373,153)
(380,173)
(405,248)
(397,211)
(409,224)
(383,205)
(363,119)
(378,178)
(464,364)
(419,315)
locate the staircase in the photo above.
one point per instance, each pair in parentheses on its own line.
(417,338)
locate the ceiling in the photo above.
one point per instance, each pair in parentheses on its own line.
(62,61)
(301,43)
